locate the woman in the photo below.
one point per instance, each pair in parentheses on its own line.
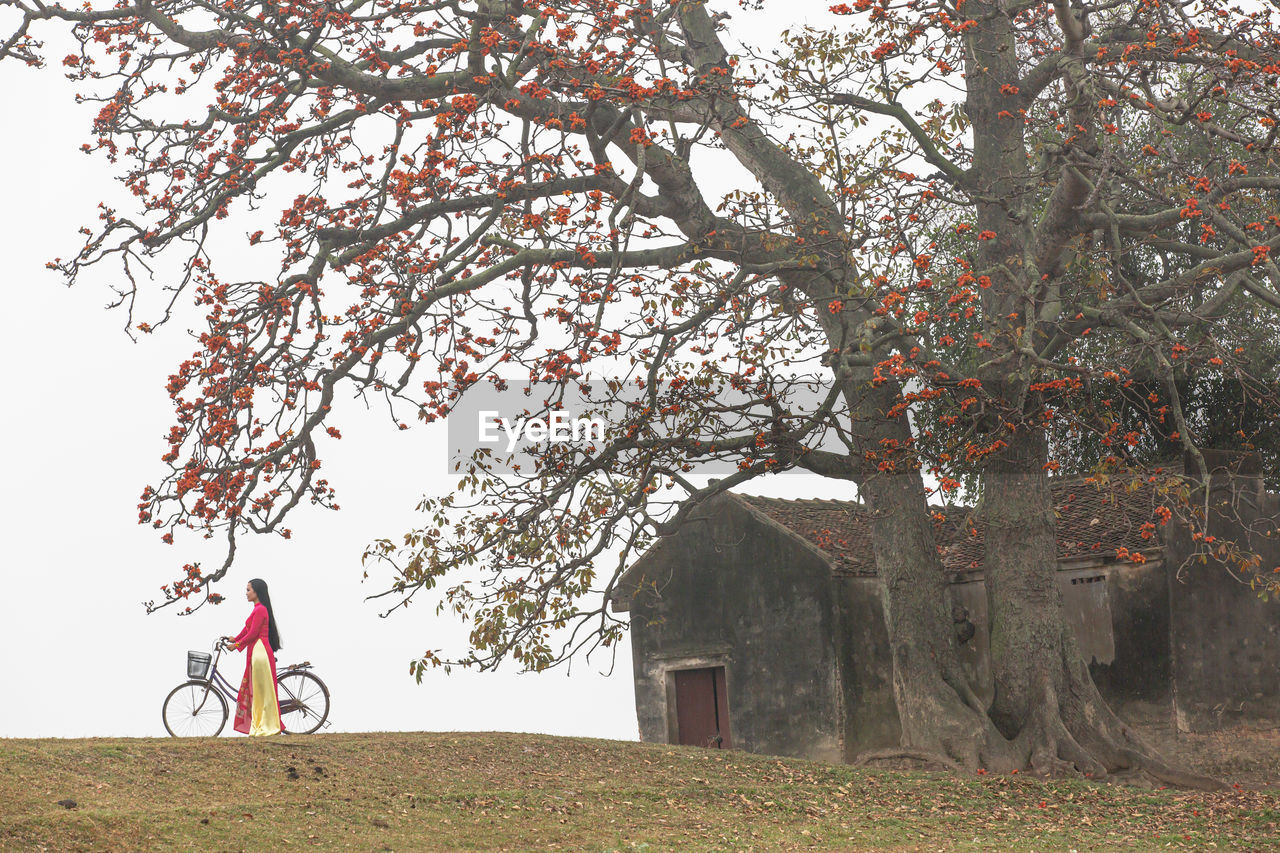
(258,708)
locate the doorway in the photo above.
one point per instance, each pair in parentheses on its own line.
(702,708)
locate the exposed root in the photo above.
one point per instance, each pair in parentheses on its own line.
(903,753)
(1067,730)
(942,721)
(1077,733)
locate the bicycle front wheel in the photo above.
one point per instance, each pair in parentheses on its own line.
(304,701)
(195,709)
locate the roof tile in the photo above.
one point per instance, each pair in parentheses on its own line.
(1094,519)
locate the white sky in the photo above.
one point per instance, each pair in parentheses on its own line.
(82,431)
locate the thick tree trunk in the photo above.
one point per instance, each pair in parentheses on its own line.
(1045,700)
(941,716)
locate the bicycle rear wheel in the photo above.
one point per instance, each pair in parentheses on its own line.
(194,709)
(304,701)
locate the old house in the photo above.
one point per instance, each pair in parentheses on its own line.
(759,624)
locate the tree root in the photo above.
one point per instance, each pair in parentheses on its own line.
(1068,730)
(1077,733)
(942,719)
(902,753)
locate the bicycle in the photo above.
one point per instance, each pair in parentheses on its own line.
(199,707)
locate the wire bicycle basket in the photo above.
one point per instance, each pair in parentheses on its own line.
(198,664)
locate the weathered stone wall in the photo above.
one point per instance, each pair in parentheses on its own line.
(975,654)
(1226,642)
(1137,681)
(747,596)
(871,716)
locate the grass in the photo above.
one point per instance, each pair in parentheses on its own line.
(490,792)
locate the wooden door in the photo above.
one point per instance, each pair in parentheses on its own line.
(702,708)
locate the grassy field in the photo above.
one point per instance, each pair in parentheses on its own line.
(411,791)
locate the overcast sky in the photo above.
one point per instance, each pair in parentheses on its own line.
(84,419)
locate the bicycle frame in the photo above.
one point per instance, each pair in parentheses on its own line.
(215,681)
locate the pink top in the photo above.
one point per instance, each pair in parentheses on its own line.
(256,627)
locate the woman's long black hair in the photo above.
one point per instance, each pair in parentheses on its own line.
(273,633)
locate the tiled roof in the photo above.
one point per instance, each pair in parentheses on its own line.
(1099,521)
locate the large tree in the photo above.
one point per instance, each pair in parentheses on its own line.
(938,205)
